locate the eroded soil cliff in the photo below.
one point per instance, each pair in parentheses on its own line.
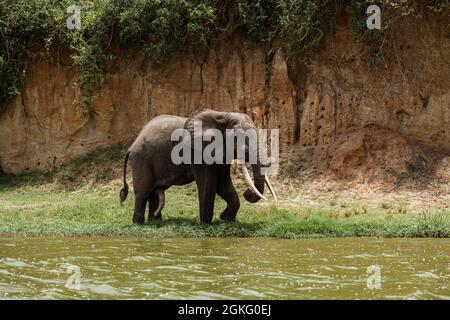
(338,114)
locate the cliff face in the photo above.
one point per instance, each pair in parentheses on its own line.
(408,94)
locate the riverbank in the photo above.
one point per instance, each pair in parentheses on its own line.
(81,199)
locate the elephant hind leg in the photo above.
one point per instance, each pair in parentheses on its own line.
(139,208)
(152,204)
(156,203)
(142,183)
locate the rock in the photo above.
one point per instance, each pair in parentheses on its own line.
(370,153)
(349,157)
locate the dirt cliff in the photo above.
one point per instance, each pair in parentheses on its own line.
(403,102)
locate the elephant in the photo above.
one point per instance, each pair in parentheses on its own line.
(153,170)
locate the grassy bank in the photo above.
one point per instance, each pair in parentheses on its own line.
(81,199)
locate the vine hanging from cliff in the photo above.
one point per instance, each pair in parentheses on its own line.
(377,44)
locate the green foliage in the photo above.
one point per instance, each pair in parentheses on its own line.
(21,23)
(433,225)
(414,169)
(417,166)
(377,43)
(164,29)
(257,19)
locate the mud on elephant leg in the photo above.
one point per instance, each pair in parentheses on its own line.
(227,192)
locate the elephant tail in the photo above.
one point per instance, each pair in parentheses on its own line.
(124,190)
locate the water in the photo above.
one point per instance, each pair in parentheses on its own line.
(225,268)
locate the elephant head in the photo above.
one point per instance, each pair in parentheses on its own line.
(236,123)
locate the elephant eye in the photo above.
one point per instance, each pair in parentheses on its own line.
(220,120)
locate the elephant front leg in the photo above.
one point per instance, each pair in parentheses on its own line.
(233,204)
(227,192)
(206,180)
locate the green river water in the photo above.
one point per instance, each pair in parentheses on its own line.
(212,268)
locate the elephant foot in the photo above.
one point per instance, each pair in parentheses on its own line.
(225,216)
(138,219)
(206,221)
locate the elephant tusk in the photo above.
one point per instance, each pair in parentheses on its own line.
(272,191)
(249,182)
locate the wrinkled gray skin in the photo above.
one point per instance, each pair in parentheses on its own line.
(154,172)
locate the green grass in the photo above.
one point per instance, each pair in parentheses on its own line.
(52,210)
(81,198)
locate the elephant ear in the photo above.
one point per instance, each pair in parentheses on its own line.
(210,119)
(189,123)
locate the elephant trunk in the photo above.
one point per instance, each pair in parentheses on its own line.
(255,193)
